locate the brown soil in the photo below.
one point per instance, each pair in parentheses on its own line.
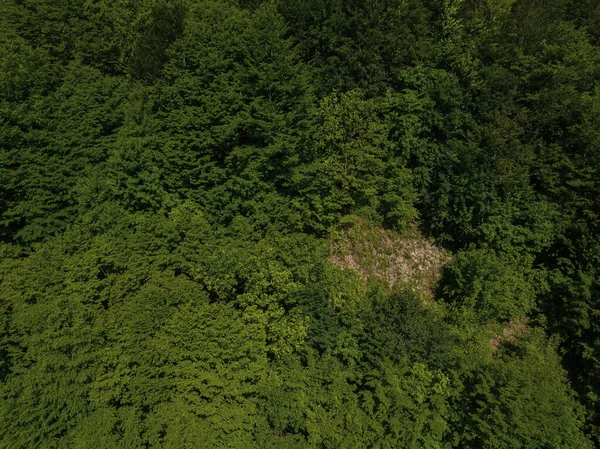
(410,261)
(511,331)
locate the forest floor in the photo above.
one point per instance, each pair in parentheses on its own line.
(407,260)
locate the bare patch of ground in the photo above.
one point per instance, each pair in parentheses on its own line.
(513,328)
(403,260)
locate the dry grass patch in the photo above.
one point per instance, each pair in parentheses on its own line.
(513,328)
(402,260)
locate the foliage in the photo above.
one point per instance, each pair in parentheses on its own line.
(494,289)
(184,183)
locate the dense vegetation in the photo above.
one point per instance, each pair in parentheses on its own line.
(172,175)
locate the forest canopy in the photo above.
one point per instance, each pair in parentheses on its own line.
(299,224)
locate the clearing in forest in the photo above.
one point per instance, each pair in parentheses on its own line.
(405,260)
